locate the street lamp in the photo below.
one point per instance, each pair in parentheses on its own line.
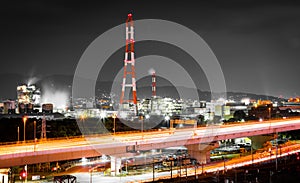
(196,177)
(114,117)
(34,134)
(153,171)
(276,161)
(24,121)
(91,175)
(34,130)
(18,134)
(224,164)
(269,109)
(185,164)
(195,128)
(252,150)
(126,165)
(142,126)
(270,151)
(145,159)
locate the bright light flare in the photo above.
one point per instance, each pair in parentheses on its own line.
(103,114)
(83,117)
(83,161)
(147,116)
(25,119)
(167,118)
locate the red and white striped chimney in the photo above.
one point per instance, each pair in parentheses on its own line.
(153,84)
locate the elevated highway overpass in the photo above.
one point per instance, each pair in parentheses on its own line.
(123,144)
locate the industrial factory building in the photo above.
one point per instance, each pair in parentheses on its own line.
(28,98)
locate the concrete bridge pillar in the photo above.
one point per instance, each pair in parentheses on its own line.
(259,140)
(115,165)
(201,152)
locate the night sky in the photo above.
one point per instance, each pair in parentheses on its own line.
(256,42)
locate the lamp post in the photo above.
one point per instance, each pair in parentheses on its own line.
(270,151)
(196,171)
(145,160)
(18,134)
(223,157)
(153,170)
(185,164)
(114,117)
(180,163)
(25,168)
(195,127)
(171,168)
(276,160)
(142,126)
(91,175)
(235,174)
(34,134)
(252,151)
(24,121)
(126,166)
(34,130)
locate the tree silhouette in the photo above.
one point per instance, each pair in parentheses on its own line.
(239,115)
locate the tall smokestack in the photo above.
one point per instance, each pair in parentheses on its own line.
(153,84)
(129,64)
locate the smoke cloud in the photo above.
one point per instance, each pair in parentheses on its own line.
(32,80)
(150,71)
(59,98)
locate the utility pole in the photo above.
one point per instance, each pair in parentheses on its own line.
(24,121)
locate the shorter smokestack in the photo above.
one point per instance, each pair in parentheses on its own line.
(153,84)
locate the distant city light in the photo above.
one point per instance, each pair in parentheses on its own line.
(83,117)
(147,116)
(167,118)
(83,161)
(103,114)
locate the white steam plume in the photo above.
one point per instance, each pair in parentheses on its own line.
(150,71)
(59,98)
(32,80)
